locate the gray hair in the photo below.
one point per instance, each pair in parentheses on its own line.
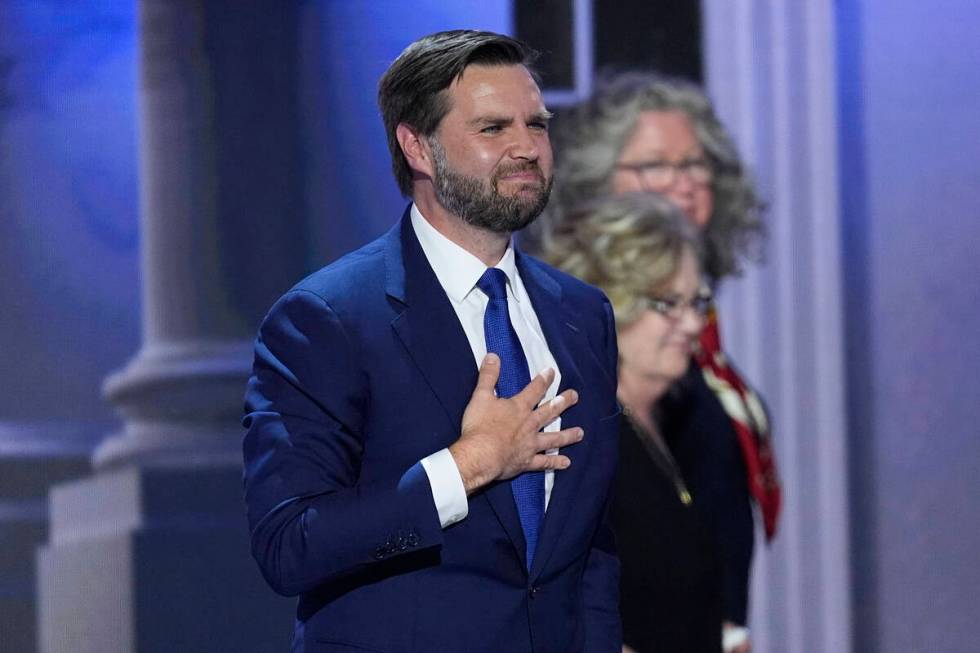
(591,137)
(629,245)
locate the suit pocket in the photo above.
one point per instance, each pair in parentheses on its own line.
(604,422)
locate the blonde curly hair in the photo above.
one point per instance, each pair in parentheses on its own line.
(628,245)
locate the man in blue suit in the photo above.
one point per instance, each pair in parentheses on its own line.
(432,419)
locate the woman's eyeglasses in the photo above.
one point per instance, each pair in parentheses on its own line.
(674,307)
(663,174)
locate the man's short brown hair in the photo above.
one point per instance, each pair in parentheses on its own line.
(412,90)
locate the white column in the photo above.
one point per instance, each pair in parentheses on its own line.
(33,456)
(222,230)
(770,70)
(152,552)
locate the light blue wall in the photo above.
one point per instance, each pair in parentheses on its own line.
(69,178)
(910,144)
(351,45)
(69,287)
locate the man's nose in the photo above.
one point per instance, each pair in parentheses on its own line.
(525,145)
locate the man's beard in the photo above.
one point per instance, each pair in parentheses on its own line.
(479,203)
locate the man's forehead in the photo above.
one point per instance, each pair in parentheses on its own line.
(481,71)
(480,81)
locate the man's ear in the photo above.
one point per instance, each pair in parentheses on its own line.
(416,149)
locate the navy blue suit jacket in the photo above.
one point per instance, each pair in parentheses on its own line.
(363,369)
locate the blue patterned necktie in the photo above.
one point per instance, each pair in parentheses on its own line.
(528,488)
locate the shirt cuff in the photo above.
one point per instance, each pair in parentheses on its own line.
(733,636)
(447,487)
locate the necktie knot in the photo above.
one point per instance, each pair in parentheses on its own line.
(493,283)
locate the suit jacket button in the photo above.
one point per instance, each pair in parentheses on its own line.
(534,591)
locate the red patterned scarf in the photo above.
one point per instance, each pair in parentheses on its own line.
(749,419)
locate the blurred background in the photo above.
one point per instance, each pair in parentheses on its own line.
(169,167)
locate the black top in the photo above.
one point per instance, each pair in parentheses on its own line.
(670,595)
(704,443)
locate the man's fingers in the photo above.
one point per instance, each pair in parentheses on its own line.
(534,391)
(559,439)
(546,413)
(489,373)
(543,462)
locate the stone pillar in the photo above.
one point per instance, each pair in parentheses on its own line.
(222,221)
(151,554)
(33,456)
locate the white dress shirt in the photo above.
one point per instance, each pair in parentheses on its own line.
(458,271)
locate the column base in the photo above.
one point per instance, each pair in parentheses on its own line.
(155,560)
(33,456)
(181,404)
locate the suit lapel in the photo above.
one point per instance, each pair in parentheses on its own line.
(429,329)
(428,326)
(563,337)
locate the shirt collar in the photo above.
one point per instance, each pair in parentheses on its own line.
(456,269)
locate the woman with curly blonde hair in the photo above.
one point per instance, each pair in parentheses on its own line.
(642,252)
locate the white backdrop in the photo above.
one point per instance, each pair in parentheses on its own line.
(770,67)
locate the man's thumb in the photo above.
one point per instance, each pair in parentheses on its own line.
(489,373)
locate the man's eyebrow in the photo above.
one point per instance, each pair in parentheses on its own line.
(490,119)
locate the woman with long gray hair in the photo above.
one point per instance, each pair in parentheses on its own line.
(643,132)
